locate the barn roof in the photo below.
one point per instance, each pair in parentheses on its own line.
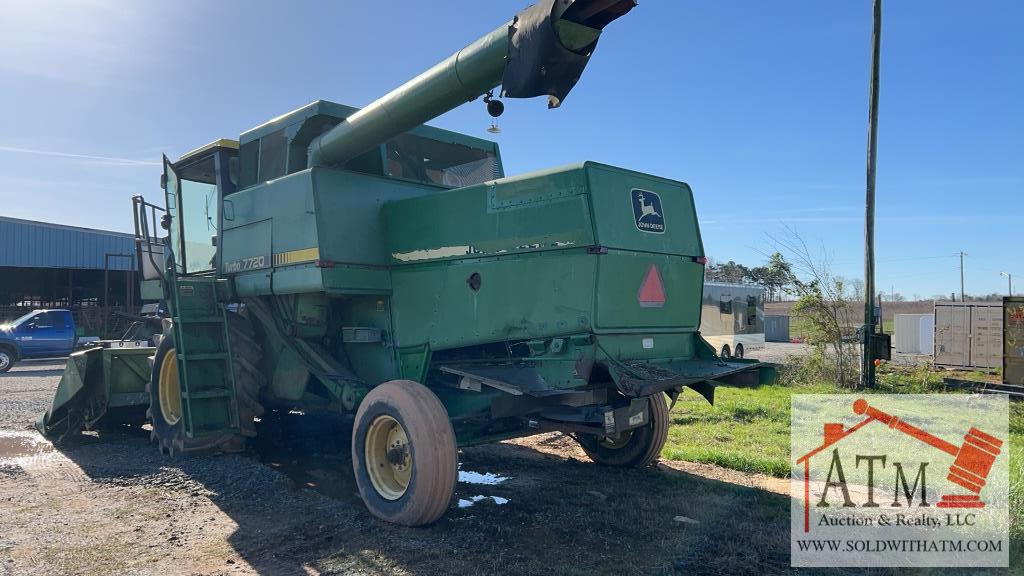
(31,244)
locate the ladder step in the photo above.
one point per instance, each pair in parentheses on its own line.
(206,394)
(202,320)
(208,356)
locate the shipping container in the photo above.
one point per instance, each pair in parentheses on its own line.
(776,328)
(1013,340)
(732,317)
(969,334)
(915,333)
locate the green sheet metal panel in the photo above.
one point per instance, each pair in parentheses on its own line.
(127,372)
(520,296)
(539,211)
(613,193)
(348,206)
(545,282)
(620,304)
(374,361)
(647,345)
(253,243)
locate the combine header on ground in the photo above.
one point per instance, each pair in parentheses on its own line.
(358,261)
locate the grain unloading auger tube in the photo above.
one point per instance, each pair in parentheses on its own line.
(541,52)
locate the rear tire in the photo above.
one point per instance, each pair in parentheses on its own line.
(726,353)
(404,454)
(739,351)
(6,359)
(169,427)
(637,448)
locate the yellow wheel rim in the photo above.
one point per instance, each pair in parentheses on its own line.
(170,389)
(388,457)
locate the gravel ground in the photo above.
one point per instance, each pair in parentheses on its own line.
(109,503)
(778,352)
(26,392)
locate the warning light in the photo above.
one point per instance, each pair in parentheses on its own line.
(652,291)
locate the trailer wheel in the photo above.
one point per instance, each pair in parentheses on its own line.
(404,454)
(638,448)
(164,388)
(739,351)
(6,359)
(726,353)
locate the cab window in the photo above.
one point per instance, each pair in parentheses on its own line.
(199,203)
(442,163)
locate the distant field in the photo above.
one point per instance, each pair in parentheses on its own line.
(889,310)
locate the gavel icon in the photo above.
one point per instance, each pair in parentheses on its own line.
(972,460)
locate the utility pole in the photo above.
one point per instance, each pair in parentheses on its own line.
(867,372)
(962,254)
(1009,282)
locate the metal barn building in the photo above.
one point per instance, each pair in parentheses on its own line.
(44,265)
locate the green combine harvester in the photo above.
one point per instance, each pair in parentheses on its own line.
(359,262)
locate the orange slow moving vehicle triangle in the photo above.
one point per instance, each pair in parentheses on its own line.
(652,291)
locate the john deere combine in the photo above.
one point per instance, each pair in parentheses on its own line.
(357,261)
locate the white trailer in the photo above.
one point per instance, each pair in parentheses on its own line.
(732,318)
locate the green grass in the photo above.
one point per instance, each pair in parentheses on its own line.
(747,429)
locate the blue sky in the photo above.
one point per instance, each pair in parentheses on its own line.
(760,106)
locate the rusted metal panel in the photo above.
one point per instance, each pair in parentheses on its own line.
(1013,340)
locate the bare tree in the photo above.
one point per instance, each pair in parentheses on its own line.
(857,285)
(824,308)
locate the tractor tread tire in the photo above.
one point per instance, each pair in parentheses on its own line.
(433,450)
(643,447)
(246,355)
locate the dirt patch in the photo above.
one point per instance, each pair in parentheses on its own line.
(111,503)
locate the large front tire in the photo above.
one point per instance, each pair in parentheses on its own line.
(404,454)
(164,388)
(637,448)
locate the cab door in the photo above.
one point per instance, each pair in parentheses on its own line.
(199,317)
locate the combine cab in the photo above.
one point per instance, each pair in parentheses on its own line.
(357,261)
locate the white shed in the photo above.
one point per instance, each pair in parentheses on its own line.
(915,333)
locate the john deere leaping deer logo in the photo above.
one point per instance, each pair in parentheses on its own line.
(647,211)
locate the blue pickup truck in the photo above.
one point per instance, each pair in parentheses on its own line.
(38,334)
